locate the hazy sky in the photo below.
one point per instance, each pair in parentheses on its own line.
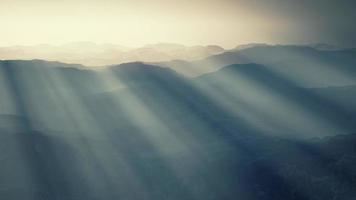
(191,22)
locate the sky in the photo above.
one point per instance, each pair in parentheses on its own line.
(191,22)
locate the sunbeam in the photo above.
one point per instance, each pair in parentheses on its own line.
(99,100)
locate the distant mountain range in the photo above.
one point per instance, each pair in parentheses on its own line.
(92,54)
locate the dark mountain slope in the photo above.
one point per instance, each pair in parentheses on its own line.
(138,131)
(278,100)
(306,66)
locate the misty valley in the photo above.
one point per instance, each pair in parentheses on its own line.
(263,122)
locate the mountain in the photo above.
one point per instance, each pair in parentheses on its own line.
(41,91)
(140,131)
(36,165)
(318,46)
(92,54)
(326,47)
(274,102)
(246,46)
(138,71)
(239,96)
(86,53)
(299,63)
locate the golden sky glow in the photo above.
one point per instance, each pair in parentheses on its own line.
(136,23)
(130,23)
